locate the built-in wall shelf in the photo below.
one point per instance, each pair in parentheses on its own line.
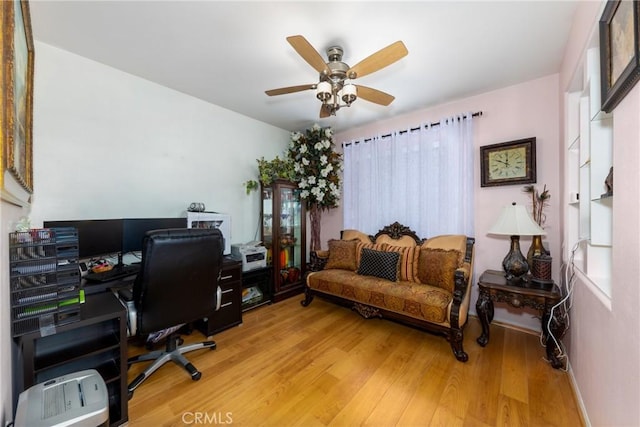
(589,158)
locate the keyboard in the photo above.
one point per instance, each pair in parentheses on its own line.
(114,274)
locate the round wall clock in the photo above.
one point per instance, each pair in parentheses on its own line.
(508,163)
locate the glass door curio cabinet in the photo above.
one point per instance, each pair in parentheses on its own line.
(283,234)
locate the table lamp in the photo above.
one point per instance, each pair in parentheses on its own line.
(515,221)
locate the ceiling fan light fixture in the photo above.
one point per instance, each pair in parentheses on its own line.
(334,89)
(334,101)
(349,93)
(323,91)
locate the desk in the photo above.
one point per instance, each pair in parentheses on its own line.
(230,313)
(92,288)
(494,286)
(98,340)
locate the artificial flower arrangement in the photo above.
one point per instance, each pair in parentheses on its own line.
(311,162)
(539,201)
(317,170)
(316,166)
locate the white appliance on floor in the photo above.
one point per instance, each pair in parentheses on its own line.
(79,399)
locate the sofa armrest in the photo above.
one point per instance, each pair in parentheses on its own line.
(317,260)
(461,287)
(461,282)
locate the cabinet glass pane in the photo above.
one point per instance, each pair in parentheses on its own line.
(267,220)
(290,204)
(283,234)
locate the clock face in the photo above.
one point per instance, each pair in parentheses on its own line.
(508,163)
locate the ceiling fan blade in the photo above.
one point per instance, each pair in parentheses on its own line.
(374,95)
(379,60)
(324,112)
(308,53)
(290,89)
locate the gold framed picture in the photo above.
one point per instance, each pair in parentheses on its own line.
(619,51)
(508,163)
(17,92)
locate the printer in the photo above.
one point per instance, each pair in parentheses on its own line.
(253,255)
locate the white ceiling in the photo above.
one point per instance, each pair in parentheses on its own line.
(229,53)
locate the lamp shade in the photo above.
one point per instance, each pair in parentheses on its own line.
(323,91)
(514,220)
(348,93)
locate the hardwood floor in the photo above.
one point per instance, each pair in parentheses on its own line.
(325,365)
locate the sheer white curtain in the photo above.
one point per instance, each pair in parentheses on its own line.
(422,179)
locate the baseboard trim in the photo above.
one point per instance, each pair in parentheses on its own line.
(509,326)
(578,397)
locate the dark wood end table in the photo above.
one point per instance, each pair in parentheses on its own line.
(493,286)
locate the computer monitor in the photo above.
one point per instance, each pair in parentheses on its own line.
(96,237)
(134,229)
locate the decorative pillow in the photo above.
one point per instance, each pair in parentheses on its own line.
(342,255)
(436,267)
(379,264)
(408,261)
(362,245)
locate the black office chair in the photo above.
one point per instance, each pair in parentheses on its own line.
(177,284)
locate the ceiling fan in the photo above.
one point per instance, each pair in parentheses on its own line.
(334,88)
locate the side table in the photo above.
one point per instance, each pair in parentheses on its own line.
(493,286)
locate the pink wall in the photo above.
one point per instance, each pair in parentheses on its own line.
(515,112)
(603,342)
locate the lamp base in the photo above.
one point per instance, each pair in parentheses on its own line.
(515,264)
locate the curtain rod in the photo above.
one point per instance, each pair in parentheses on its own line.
(476,114)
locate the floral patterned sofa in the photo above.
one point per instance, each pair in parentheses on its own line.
(396,275)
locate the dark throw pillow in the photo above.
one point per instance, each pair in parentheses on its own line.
(379,264)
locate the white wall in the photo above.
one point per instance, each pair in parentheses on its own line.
(515,112)
(110,145)
(603,342)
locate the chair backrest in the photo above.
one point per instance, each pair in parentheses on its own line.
(178,277)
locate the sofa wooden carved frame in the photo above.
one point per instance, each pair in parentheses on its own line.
(453,334)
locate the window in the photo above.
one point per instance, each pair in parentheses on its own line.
(421,178)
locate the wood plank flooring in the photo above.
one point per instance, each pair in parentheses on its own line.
(324,365)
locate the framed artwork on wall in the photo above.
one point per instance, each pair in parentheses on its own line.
(508,163)
(17,92)
(619,51)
